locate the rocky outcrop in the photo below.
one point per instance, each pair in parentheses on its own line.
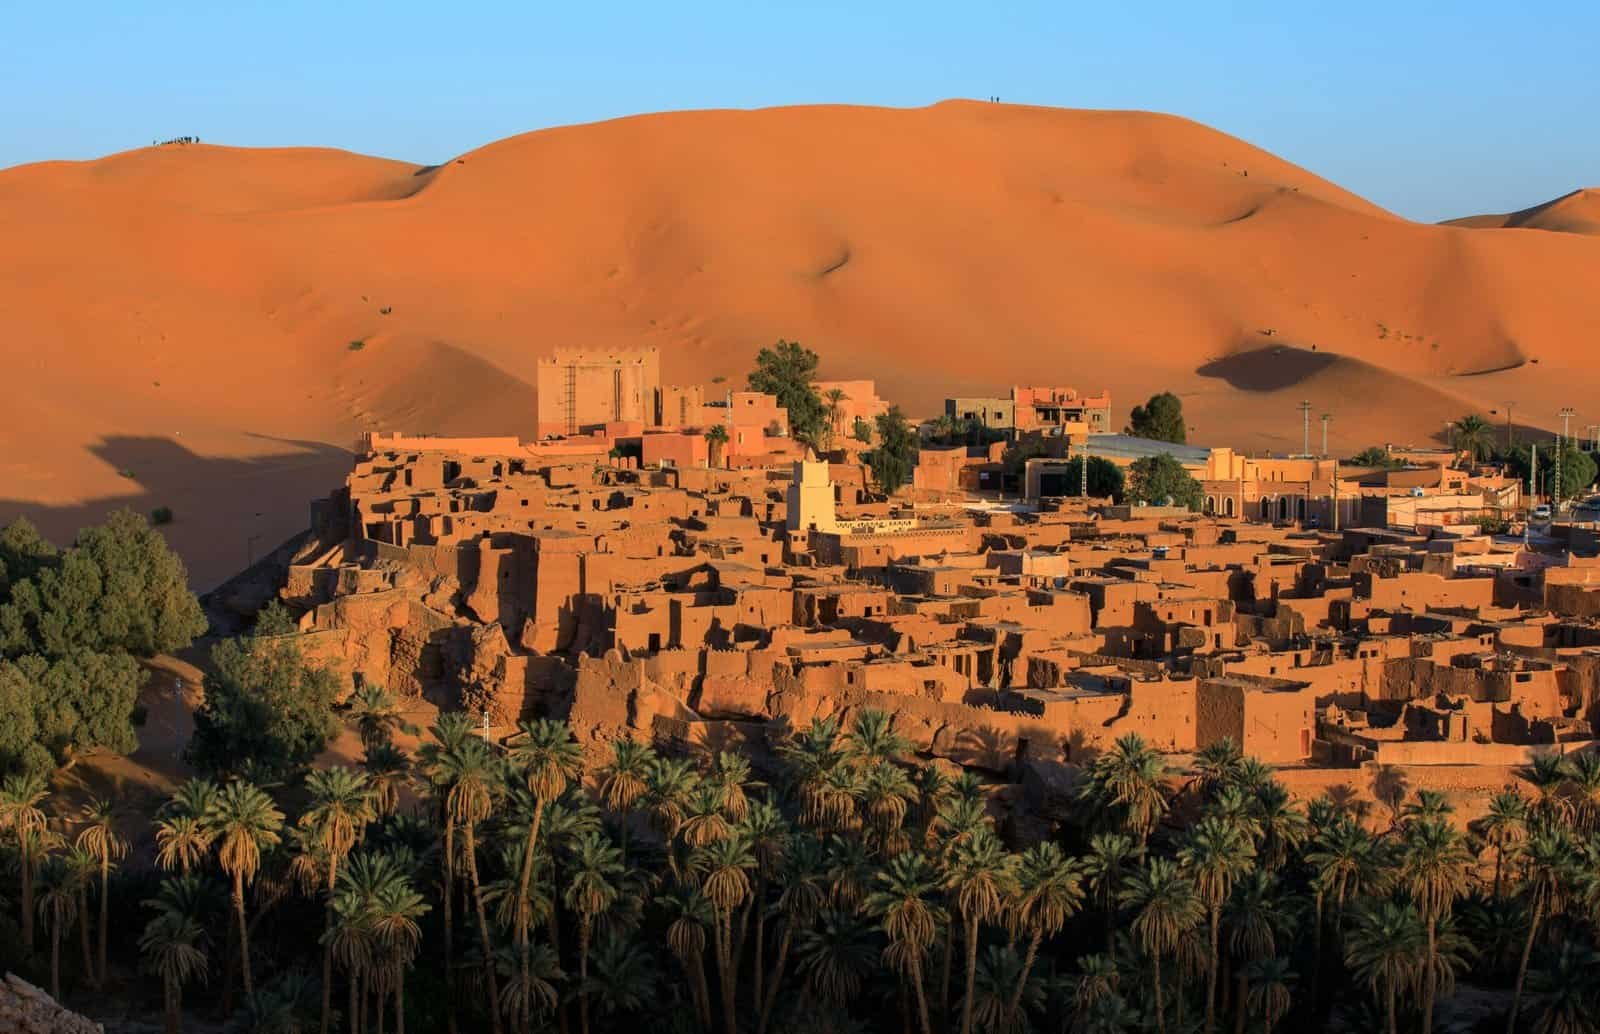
(25,1009)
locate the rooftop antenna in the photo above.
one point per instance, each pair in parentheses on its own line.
(1305,422)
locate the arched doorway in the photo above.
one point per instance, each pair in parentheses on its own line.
(1300,507)
(1227,507)
(1211,505)
(1283,508)
(1266,509)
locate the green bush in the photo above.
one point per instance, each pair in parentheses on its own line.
(161,515)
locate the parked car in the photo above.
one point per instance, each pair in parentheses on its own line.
(1540,512)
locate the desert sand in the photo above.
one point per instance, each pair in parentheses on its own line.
(178,321)
(1577,212)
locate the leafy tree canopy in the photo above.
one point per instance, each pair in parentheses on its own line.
(1376,456)
(1160,418)
(861,431)
(896,453)
(787,370)
(1105,478)
(72,624)
(1577,468)
(1155,479)
(267,711)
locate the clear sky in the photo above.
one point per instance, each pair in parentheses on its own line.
(1429,107)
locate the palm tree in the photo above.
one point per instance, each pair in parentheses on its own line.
(1132,778)
(1473,436)
(393,914)
(624,781)
(1049,891)
(1547,859)
(835,956)
(99,837)
(377,716)
(1505,826)
(1548,774)
(21,817)
(1583,774)
(438,765)
(82,867)
(1269,997)
(833,397)
(872,739)
(388,769)
(903,903)
(716,437)
(58,906)
(1435,868)
(548,759)
(1165,906)
(1111,857)
(593,887)
(1255,920)
(801,897)
(1566,989)
(724,866)
(1216,766)
(1428,806)
(472,774)
(340,808)
(1387,947)
(979,875)
(624,977)
(244,821)
(173,946)
(686,937)
(769,835)
(1215,856)
(1284,827)
(182,842)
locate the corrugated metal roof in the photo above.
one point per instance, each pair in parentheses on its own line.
(1131,447)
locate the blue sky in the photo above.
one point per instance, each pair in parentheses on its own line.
(1433,109)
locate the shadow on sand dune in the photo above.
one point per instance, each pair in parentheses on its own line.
(226,510)
(1268,369)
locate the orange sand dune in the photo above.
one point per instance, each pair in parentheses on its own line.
(1577,212)
(178,320)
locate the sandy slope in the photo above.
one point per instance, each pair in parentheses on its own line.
(183,315)
(1577,212)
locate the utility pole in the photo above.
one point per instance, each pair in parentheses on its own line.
(1510,430)
(1325,418)
(1565,415)
(1083,474)
(1594,437)
(1305,428)
(1533,472)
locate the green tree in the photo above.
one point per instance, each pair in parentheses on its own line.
(1434,868)
(274,619)
(1165,908)
(1577,468)
(1154,480)
(1105,478)
(716,437)
(1548,861)
(245,822)
(896,452)
(1161,418)
(174,949)
(787,370)
(1387,947)
(1376,456)
(99,837)
(548,759)
(979,876)
(594,884)
(1473,437)
(905,906)
(1215,856)
(23,819)
(861,431)
(340,808)
(267,710)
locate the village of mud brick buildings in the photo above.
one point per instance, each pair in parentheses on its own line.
(624,573)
